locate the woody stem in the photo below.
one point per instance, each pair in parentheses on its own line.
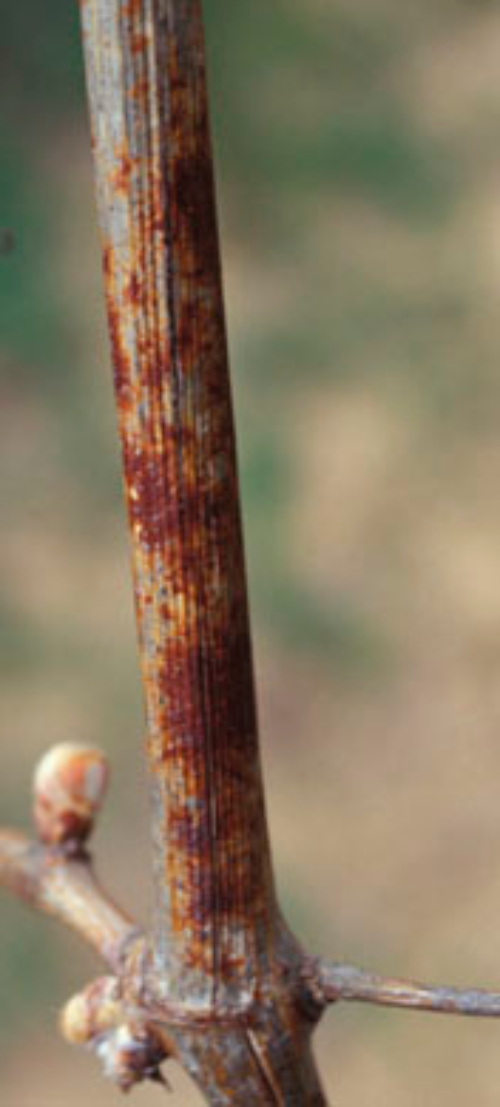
(214,888)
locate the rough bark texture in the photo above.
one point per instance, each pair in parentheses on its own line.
(220,948)
(156,200)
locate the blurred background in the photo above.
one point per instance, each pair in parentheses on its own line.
(359,182)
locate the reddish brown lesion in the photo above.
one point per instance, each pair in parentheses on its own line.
(139,42)
(134,292)
(123,167)
(139,91)
(167,331)
(131,9)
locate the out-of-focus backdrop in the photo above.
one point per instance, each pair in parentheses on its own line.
(359,180)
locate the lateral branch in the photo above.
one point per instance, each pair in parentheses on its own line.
(332,982)
(59,881)
(65,888)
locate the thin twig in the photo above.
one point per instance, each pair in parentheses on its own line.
(332,982)
(66,889)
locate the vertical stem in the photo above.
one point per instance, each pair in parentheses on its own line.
(215,900)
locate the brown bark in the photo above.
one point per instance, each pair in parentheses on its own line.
(219,945)
(216,911)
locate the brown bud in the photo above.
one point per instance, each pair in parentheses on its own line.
(93,1012)
(69,786)
(129,1051)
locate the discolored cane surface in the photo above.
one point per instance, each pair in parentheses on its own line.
(156,199)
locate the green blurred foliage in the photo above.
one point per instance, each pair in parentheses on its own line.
(347,137)
(282,158)
(32,331)
(28,968)
(275,164)
(42,87)
(40,62)
(285,160)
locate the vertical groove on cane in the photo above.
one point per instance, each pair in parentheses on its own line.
(216,909)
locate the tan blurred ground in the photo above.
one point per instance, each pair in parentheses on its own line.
(383,777)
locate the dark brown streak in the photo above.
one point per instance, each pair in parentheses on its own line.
(198,666)
(274,1094)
